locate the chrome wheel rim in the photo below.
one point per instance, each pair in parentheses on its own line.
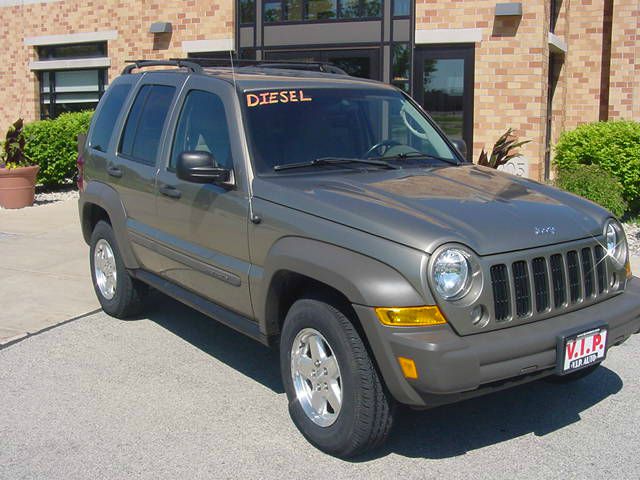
(104,267)
(316,377)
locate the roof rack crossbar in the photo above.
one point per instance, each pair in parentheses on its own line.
(177,62)
(326,67)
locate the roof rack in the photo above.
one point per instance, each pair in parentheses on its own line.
(177,62)
(324,67)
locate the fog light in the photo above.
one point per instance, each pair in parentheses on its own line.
(478,317)
(411,316)
(408,366)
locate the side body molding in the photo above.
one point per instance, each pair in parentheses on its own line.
(363,280)
(102,195)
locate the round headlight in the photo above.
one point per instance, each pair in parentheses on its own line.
(616,242)
(451,273)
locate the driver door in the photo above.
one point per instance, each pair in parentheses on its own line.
(203,227)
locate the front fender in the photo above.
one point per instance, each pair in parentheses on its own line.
(361,279)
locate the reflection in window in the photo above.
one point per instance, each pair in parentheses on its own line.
(312,10)
(400,66)
(443,93)
(322,9)
(401,8)
(247,11)
(70,91)
(272,11)
(294,10)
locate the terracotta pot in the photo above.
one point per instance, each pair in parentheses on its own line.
(18,186)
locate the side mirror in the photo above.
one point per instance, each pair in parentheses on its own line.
(461,145)
(199,167)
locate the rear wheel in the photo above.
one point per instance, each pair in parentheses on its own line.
(336,397)
(119,294)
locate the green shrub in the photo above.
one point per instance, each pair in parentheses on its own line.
(614,146)
(53,144)
(593,183)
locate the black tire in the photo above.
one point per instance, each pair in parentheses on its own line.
(367,410)
(572,377)
(129,292)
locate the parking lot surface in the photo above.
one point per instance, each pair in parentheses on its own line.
(176,395)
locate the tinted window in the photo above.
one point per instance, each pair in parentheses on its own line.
(290,126)
(202,126)
(106,118)
(143,129)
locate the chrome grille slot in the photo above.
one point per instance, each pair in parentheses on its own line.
(574,275)
(557,278)
(540,283)
(500,283)
(601,269)
(587,271)
(521,288)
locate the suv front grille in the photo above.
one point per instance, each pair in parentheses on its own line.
(544,284)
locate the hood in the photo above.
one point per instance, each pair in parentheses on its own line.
(487,210)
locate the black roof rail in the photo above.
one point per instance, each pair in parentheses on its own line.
(324,67)
(180,63)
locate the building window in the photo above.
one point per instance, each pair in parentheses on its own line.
(247,11)
(400,66)
(401,8)
(71,90)
(554,13)
(320,10)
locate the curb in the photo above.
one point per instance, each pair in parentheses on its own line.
(7,342)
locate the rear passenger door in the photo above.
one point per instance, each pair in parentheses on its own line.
(133,169)
(203,227)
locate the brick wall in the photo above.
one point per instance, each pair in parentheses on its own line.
(624,96)
(510,69)
(191,19)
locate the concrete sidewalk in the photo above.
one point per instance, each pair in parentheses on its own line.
(44,269)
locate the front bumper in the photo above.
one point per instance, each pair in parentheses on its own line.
(452,368)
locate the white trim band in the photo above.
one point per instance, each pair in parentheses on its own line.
(15,3)
(76,63)
(449,35)
(221,45)
(86,37)
(557,43)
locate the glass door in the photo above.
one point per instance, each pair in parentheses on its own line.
(443,85)
(364,63)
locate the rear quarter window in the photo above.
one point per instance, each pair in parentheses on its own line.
(106,117)
(143,130)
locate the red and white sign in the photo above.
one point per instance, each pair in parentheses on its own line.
(585,349)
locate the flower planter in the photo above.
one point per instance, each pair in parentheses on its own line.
(17,186)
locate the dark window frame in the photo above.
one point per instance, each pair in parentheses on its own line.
(450,51)
(339,18)
(53,112)
(243,22)
(57,52)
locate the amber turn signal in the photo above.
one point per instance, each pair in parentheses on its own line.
(410,316)
(408,367)
(627,267)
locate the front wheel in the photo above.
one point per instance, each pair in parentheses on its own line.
(336,397)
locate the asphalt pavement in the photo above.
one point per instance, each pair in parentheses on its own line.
(176,395)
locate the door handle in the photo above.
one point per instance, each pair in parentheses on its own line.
(170,191)
(114,171)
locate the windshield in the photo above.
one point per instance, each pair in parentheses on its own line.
(302,125)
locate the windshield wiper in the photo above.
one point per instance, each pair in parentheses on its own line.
(334,161)
(418,155)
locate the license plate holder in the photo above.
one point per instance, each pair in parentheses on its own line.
(582,349)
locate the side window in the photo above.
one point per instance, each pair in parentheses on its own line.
(142,132)
(106,118)
(202,126)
